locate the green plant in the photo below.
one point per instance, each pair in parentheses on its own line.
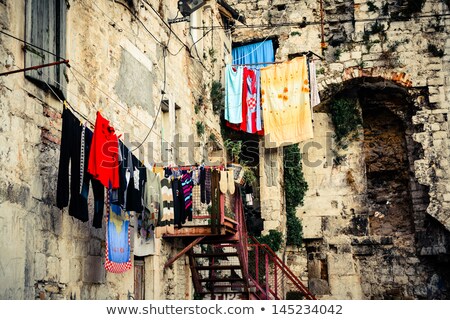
(372,6)
(273,239)
(345,116)
(200,128)
(228,213)
(337,54)
(295,33)
(212,137)
(217,97)
(295,187)
(249,175)
(234,148)
(320,71)
(196,109)
(377,28)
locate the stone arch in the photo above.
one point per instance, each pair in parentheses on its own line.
(428,123)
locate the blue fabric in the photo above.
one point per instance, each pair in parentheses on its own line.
(233,94)
(254,53)
(118,224)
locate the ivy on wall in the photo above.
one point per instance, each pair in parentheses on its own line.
(295,187)
(346,118)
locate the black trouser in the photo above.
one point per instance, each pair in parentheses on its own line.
(70,153)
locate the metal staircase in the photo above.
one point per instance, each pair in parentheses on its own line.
(232,265)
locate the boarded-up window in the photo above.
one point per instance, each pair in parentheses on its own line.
(45,27)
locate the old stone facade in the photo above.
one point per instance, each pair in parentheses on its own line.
(376,216)
(124,61)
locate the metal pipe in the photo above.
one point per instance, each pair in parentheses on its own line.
(35,67)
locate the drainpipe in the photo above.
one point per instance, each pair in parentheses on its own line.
(323,45)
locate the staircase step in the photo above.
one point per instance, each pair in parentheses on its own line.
(212,255)
(223,280)
(219,267)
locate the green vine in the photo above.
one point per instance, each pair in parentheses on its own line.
(346,118)
(273,239)
(217,97)
(295,187)
(234,148)
(200,128)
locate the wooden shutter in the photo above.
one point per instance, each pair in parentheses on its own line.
(46,28)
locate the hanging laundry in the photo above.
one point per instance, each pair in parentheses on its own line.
(166,224)
(118,256)
(97,187)
(103,158)
(285,100)
(136,176)
(187,185)
(259,52)
(259,116)
(146,221)
(207,185)
(249,101)
(70,154)
(178,202)
(233,94)
(315,98)
(215,201)
(202,185)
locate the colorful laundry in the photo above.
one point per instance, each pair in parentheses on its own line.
(103,156)
(285,100)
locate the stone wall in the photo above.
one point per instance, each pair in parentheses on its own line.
(118,67)
(368,51)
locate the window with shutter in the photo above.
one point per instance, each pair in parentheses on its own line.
(46,28)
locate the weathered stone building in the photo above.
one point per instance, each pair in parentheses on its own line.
(376,215)
(125,61)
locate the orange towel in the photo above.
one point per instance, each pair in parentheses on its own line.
(285,102)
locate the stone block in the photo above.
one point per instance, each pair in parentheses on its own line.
(75,270)
(40,263)
(341,264)
(319,287)
(312,227)
(94,272)
(53,269)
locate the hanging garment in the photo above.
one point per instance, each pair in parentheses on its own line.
(249,101)
(259,117)
(223,183)
(233,94)
(231,186)
(315,98)
(136,176)
(207,185)
(103,156)
(70,153)
(143,244)
(152,199)
(187,185)
(97,187)
(285,99)
(215,201)
(260,52)
(167,218)
(118,256)
(202,185)
(178,203)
